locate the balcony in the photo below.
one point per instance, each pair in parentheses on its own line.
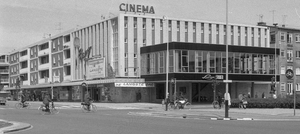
(67,78)
(23,58)
(67,61)
(3,80)
(4,71)
(44,66)
(23,70)
(44,52)
(43,80)
(26,82)
(67,45)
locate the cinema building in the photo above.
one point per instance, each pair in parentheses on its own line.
(123,59)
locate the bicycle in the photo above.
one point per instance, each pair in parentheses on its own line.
(84,107)
(20,105)
(53,110)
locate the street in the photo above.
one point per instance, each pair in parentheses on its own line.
(118,121)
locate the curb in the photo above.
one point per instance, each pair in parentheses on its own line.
(17,126)
(241,119)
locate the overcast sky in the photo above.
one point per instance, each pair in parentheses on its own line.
(24,22)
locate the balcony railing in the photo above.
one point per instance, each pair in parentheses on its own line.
(67,78)
(25,82)
(3,70)
(44,52)
(67,45)
(44,66)
(2,60)
(67,61)
(43,80)
(23,58)
(4,80)
(23,70)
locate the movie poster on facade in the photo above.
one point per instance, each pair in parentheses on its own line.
(96,68)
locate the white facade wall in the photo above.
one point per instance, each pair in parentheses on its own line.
(99,36)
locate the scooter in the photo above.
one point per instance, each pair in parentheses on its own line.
(181,103)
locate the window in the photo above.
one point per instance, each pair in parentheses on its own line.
(44,46)
(144,41)
(297,71)
(289,37)
(45,74)
(282,70)
(125,40)
(67,38)
(54,60)
(289,56)
(297,54)
(272,38)
(297,38)
(68,70)
(24,64)
(290,88)
(23,53)
(282,36)
(282,87)
(282,53)
(44,60)
(298,87)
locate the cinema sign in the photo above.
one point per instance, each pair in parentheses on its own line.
(136,8)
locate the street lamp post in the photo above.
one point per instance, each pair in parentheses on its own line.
(167,64)
(226,42)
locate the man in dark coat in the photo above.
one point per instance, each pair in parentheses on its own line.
(87,100)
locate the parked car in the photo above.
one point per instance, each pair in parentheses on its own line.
(2,100)
(3,96)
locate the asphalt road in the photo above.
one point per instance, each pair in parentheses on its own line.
(116,121)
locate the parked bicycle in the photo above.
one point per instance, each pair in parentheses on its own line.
(20,105)
(52,109)
(84,107)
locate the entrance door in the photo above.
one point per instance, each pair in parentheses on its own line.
(195,92)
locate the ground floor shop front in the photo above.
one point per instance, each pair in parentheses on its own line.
(114,90)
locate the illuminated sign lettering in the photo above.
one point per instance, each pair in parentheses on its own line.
(136,8)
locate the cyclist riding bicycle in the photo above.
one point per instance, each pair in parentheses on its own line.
(87,100)
(22,98)
(46,101)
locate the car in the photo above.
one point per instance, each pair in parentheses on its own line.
(8,98)
(2,100)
